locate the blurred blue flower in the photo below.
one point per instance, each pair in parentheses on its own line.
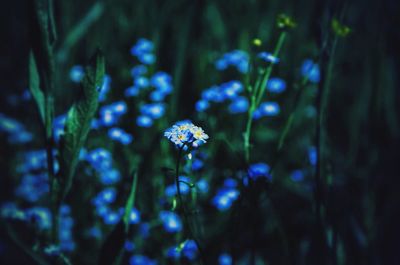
(312,155)
(310,70)
(129,246)
(259,170)
(189,249)
(202,105)
(141,82)
(143,51)
(225,259)
(266,109)
(107,195)
(17,133)
(110,114)
(268,57)
(276,85)
(76,73)
(105,87)
(40,216)
(134,217)
(239,105)
(231,89)
(153,110)
(202,186)
(120,135)
(162,82)
(33,187)
(171,221)
(132,91)
(141,260)
(110,176)
(144,121)
(297,175)
(171,191)
(112,218)
(236,58)
(224,198)
(138,70)
(100,159)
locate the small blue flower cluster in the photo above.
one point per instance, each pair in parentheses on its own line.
(58,126)
(266,109)
(226,195)
(149,113)
(225,259)
(101,160)
(268,57)
(187,249)
(141,260)
(236,58)
(65,229)
(186,134)
(259,170)
(76,73)
(102,203)
(311,71)
(33,186)
(276,85)
(143,50)
(17,134)
(171,221)
(219,94)
(120,135)
(110,114)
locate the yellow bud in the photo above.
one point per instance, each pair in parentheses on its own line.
(257,42)
(340,29)
(284,21)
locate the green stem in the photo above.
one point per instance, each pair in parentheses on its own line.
(187,227)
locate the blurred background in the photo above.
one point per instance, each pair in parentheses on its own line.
(272,221)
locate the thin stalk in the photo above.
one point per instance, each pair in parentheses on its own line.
(256,95)
(187,226)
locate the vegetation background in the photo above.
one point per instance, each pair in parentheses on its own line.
(362,125)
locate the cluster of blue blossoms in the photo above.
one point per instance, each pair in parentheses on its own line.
(101,161)
(16,132)
(187,249)
(186,134)
(226,195)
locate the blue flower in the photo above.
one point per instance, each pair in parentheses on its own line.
(202,105)
(141,82)
(171,191)
(100,159)
(134,216)
(267,109)
(162,82)
(107,196)
(297,175)
(143,51)
(120,135)
(33,187)
(239,105)
(185,133)
(259,170)
(189,249)
(105,87)
(224,198)
(236,58)
(112,218)
(157,95)
(76,73)
(225,259)
(132,91)
(202,186)
(231,89)
(138,70)
(268,57)
(312,155)
(276,85)
(153,110)
(144,121)
(310,70)
(110,176)
(141,260)
(40,216)
(129,246)
(110,114)
(171,221)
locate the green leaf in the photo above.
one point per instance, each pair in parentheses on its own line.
(130,202)
(34,86)
(78,123)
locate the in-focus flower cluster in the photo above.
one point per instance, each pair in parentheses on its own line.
(186,134)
